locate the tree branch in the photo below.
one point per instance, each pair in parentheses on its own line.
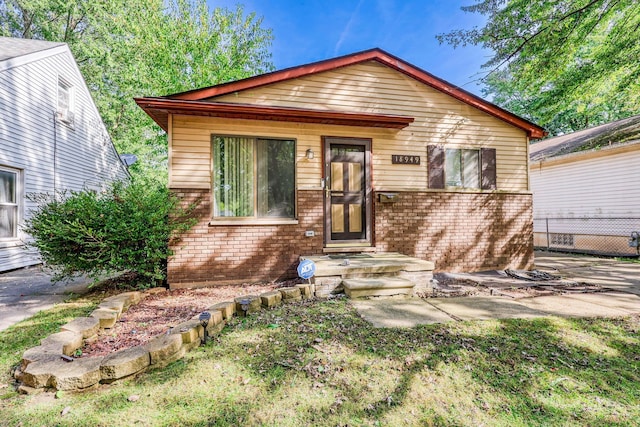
(527,40)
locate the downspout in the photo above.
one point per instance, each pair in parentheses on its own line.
(528,165)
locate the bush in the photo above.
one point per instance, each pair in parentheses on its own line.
(125,228)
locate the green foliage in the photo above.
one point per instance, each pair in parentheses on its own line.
(566,64)
(135,48)
(125,228)
(326,366)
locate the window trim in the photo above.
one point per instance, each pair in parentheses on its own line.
(255,220)
(18,204)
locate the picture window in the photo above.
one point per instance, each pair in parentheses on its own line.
(253,177)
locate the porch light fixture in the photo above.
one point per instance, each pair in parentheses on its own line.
(204,318)
(310,154)
(244,305)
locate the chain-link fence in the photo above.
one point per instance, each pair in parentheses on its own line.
(603,236)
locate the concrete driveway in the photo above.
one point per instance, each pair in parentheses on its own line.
(26,291)
(607,272)
(620,298)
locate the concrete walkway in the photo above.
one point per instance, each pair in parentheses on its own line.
(26,291)
(621,278)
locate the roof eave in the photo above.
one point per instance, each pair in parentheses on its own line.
(159,108)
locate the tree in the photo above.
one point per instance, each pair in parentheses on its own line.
(565,64)
(130,48)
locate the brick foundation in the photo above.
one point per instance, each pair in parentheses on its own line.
(236,253)
(458,231)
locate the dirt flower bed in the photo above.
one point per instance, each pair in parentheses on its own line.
(157,313)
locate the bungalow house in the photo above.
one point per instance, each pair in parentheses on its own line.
(359,153)
(586,189)
(51,136)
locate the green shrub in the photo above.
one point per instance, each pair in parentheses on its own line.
(125,228)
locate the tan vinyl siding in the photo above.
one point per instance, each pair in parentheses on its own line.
(191,146)
(369,87)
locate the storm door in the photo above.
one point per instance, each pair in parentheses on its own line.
(347,190)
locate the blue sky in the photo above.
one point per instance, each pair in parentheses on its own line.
(312,30)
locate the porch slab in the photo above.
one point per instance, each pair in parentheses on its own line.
(385,286)
(378,263)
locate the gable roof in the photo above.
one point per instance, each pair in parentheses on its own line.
(608,134)
(12,47)
(159,108)
(14,51)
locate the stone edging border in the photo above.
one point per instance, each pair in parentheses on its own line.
(51,365)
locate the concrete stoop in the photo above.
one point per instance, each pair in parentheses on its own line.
(371,274)
(385,286)
(52,365)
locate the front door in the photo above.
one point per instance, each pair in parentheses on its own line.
(347,191)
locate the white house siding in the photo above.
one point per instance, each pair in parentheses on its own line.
(85,156)
(584,186)
(598,187)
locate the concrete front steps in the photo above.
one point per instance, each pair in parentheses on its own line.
(371,274)
(384,286)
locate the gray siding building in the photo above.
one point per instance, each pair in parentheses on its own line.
(51,136)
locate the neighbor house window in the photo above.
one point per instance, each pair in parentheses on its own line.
(473,168)
(66,101)
(561,239)
(253,177)
(9,196)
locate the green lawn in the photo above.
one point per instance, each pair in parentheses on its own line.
(320,364)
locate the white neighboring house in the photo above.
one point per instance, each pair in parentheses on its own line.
(52,137)
(586,188)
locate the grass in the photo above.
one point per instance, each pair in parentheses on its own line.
(628,259)
(319,363)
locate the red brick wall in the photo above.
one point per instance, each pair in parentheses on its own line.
(244,252)
(459,231)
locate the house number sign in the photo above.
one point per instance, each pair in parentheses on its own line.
(401,159)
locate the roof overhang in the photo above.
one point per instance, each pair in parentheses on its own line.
(579,156)
(160,108)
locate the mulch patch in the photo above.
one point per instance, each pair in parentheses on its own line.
(158,313)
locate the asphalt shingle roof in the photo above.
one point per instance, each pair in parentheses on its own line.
(13,47)
(618,132)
